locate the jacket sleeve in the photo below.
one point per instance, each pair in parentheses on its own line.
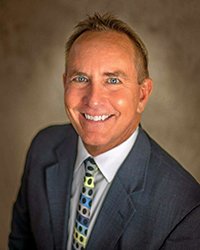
(20,237)
(186,235)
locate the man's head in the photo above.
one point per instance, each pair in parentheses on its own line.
(107,22)
(104,98)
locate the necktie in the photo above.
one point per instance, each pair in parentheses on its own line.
(84,207)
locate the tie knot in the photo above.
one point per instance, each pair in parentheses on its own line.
(90,166)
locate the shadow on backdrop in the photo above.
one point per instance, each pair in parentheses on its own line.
(33,35)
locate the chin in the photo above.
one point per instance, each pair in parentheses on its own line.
(96,141)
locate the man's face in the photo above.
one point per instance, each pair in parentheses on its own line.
(103,99)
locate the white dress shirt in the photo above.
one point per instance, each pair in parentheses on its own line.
(108,164)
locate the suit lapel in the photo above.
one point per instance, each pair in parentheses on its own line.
(58,181)
(118,208)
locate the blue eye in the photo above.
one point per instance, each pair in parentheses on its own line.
(80,79)
(113,80)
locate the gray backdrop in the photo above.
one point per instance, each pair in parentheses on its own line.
(32,37)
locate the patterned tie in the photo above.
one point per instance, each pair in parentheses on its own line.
(84,207)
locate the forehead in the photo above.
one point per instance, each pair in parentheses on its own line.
(103,44)
(106,36)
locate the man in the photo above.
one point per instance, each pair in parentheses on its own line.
(134,195)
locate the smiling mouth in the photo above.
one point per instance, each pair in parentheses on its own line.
(96,118)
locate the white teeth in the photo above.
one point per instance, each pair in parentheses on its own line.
(96,117)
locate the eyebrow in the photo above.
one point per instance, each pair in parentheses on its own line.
(117,73)
(74,72)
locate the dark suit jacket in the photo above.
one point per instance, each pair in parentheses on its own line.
(153,202)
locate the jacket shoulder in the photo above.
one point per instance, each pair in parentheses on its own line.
(172,181)
(51,137)
(169,163)
(54,132)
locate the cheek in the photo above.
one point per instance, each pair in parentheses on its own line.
(71,98)
(67,98)
(71,103)
(121,104)
(126,102)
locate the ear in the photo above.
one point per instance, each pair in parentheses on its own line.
(145,92)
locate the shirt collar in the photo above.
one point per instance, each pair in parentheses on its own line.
(110,161)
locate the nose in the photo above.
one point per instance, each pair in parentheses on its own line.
(94,96)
